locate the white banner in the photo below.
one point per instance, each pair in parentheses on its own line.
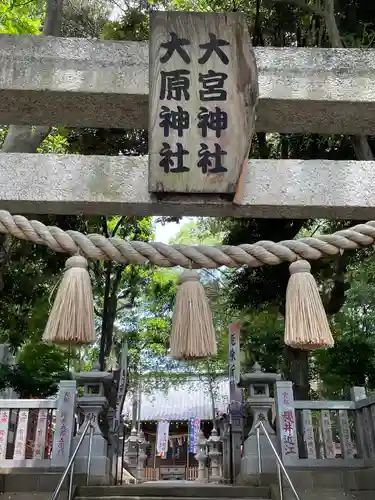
(162,437)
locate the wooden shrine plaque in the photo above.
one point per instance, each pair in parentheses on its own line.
(203,94)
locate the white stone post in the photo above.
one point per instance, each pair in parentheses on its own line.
(63,435)
(214,453)
(201,457)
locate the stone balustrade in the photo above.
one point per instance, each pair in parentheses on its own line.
(37,433)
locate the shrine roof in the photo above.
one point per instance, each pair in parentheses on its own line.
(188,399)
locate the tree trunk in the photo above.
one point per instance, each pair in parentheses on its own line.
(298,372)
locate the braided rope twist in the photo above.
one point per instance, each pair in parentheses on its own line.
(97,247)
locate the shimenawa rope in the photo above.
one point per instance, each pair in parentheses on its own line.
(97,247)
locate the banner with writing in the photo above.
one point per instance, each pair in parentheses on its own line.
(194,428)
(162,437)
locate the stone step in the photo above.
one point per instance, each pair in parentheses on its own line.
(172,490)
(133,497)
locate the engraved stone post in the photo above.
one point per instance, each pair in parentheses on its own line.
(358,393)
(233,443)
(308,434)
(345,435)
(286,422)
(326,426)
(62,438)
(201,456)
(214,453)
(368,431)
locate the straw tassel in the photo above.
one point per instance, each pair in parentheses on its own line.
(193,334)
(71,321)
(306,324)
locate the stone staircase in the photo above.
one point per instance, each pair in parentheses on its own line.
(172,490)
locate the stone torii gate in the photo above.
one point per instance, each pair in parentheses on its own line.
(86,83)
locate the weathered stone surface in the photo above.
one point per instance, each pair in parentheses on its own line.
(77,82)
(59,184)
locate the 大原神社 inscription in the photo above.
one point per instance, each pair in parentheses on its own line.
(202,101)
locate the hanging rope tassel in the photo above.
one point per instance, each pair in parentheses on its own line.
(193,334)
(71,320)
(306,324)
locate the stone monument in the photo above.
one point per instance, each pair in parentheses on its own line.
(260,403)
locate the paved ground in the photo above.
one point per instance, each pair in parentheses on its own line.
(31,496)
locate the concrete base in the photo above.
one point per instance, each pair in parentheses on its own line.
(100,467)
(249,461)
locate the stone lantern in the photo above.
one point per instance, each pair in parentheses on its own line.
(142,455)
(260,403)
(92,404)
(132,452)
(214,453)
(201,457)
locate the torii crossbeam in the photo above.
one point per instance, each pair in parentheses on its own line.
(77,82)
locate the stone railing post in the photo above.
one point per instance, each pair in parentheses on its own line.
(65,414)
(201,457)
(214,453)
(286,422)
(358,393)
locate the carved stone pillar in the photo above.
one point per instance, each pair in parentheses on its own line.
(201,457)
(214,452)
(132,453)
(142,455)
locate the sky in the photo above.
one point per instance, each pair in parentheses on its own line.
(168,231)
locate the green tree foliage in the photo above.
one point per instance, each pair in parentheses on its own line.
(352,360)
(19,17)
(37,372)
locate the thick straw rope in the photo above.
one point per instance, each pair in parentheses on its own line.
(97,247)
